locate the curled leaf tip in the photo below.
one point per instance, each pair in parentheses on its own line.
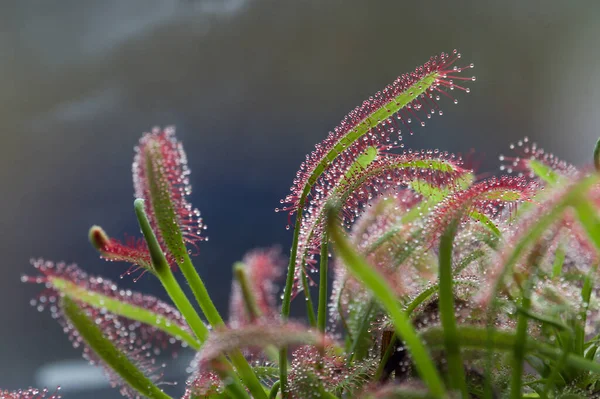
(98,237)
(132,250)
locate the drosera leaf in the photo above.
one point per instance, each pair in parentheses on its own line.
(133,250)
(486,221)
(161,178)
(533,227)
(165,275)
(367,125)
(589,219)
(384,293)
(127,310)
(587,215)
(105,350)
(484,197)
(384,172)
(446,307)
(146,317)
(544,172)
(436,194)
(409,89)
(361,163)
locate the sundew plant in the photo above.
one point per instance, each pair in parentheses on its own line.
(432,282)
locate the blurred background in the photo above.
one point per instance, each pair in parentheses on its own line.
(251,85)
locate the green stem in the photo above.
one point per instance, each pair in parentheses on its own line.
(287,298)
(289,282)
(178,297)
(274,390)
(283,372)
(385,294)
(105,350)
(200,293)
(519,349)
(322,314)
(163,271)
(214,318)
(446,307)
(239,269)
(522,321)
(310,309)
(165,275)
(386,356)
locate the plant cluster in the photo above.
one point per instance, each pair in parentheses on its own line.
(445,285)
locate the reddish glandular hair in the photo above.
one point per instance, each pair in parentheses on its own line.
(203,384)
(487,197)
(140,342)
(160,160)
(386,172)
(372,123)
(132,250)
(525,152)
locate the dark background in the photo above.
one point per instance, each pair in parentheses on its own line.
(251,85)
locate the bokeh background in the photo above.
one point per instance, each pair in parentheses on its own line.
(251,85)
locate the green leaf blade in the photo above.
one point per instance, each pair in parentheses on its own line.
(109,354)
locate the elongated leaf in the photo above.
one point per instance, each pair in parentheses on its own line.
(533,232)
(124,309)
(105,350)
(384,293)
(544,172)
(446,307)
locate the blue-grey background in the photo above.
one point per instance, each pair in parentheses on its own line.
(251,85)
